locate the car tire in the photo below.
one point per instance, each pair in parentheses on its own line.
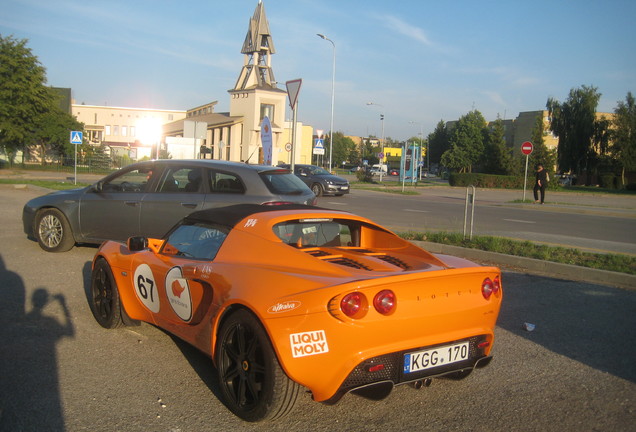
(104,296)
(52,231)
(316,188)
(253,385)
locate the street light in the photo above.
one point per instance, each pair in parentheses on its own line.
(381,139)
(333,95)
(421,144)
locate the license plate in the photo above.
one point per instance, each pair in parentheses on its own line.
(435,357)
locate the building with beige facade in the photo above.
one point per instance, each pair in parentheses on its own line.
(132,131)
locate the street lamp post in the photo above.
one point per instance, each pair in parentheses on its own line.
(381,139)
(333,95)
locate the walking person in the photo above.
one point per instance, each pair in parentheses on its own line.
(540,183)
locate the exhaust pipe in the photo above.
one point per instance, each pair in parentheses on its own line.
(426,382)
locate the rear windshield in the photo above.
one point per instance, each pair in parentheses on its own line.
(319,233)
(283,182)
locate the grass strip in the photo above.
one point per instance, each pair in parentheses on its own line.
(49,184)
(611,262)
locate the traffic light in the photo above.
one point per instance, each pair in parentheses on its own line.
(382,117)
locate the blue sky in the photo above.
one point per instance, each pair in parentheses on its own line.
(418,61)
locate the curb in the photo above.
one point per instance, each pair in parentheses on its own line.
(531,265)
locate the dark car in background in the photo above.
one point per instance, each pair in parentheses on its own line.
(321,181)
(147,198)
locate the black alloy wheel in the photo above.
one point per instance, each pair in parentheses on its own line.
(253,385)
(105,303)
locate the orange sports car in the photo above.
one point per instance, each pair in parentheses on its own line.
(291,296)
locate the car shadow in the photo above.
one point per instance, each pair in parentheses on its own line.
(200,362)
(592,324)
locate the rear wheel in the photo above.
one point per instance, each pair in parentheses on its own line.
(316,189)
(105,303)
(53,231)
(253,385)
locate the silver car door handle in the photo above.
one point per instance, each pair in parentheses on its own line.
(132,203)
(189,205)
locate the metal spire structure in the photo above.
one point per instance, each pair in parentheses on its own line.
(258,47)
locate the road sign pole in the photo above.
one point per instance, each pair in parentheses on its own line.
(75,176)
(525,179)
(293,149)
(526,149)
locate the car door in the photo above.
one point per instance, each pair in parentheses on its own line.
(176,285)
(179,191)
(111,210)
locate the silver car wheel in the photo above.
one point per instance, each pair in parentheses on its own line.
(51,230)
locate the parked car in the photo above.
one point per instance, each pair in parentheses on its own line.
(321,181)
(147,198)
(286,298)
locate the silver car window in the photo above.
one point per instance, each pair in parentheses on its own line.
(129,181)
(225,183)
(180,179)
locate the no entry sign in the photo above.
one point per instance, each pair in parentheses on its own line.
(526,148)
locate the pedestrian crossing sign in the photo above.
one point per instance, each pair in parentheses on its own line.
(76,137)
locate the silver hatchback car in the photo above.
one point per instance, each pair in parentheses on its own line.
(148,198)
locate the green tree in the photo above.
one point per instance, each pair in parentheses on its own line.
(23,95)
(574,122)
(344,150)
(541,154)
(438,143)
(624,136)
(468,141)
(499,159)
(52,130)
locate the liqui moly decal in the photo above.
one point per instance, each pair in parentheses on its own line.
(308,343)
(284,307)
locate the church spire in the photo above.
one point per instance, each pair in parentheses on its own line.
(258,48)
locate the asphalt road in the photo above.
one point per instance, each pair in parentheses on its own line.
(60,371)
(594,222)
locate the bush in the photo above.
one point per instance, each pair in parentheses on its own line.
(487,180)
(364,175)
(607,181)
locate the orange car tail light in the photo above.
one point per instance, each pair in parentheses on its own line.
(385,302)
(496,285)
(354,305)
(490,287)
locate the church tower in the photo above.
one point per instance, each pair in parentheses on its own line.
(255,94)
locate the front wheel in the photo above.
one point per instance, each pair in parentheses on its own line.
(105,303)
(53,231)
(253,385)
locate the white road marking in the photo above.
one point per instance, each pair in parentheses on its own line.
(520,221)
(416,211)
(336,203)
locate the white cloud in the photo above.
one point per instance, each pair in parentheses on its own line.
(408,30)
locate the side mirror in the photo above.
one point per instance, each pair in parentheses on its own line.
(136,244)
(99,186)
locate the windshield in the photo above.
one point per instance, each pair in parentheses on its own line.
(316,170)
